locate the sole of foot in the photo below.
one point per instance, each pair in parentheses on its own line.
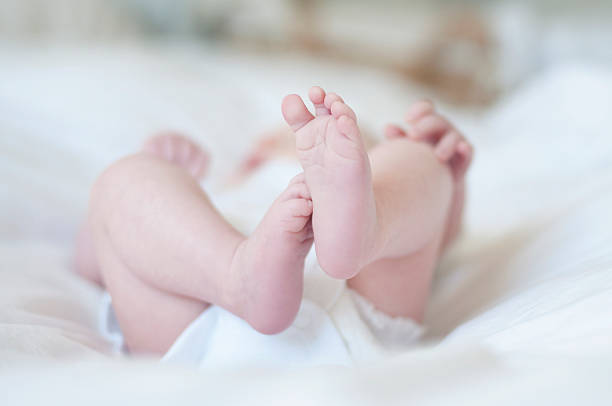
(337,171)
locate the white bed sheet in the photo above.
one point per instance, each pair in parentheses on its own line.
(521,306)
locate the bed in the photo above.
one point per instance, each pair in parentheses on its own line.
(521,311)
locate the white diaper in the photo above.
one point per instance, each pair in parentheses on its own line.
(334,326)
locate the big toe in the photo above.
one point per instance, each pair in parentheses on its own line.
(295,112)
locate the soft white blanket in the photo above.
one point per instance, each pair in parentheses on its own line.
(521,306)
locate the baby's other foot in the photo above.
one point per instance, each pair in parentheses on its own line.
(269,264)
(426,125)
(337,171)
(179,150)
(450,146)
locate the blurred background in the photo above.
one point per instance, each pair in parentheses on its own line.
(467,52)
(84,82)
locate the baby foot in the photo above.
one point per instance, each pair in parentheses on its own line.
(269,264)
(450,146)
(179,150)
(337,172)
(426,125)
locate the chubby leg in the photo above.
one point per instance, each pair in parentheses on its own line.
(413,192)
(151,319)
(165,253)
(170,146)
(401,286)
(379,221)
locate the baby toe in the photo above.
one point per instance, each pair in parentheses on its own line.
(301,207)
(331,98)
(419,110)
(317,97)
(447,146)
(297,190)
(167,148)
(339,109)
(151,148)
(298,214)
(465,148)
(430,128)
(295,112)
(393,131)
(185,151)
(156,145)
(348,127)
(464,157)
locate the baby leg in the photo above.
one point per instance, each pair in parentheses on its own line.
(413,192)
(401,286)
(165,253)
(169,146)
